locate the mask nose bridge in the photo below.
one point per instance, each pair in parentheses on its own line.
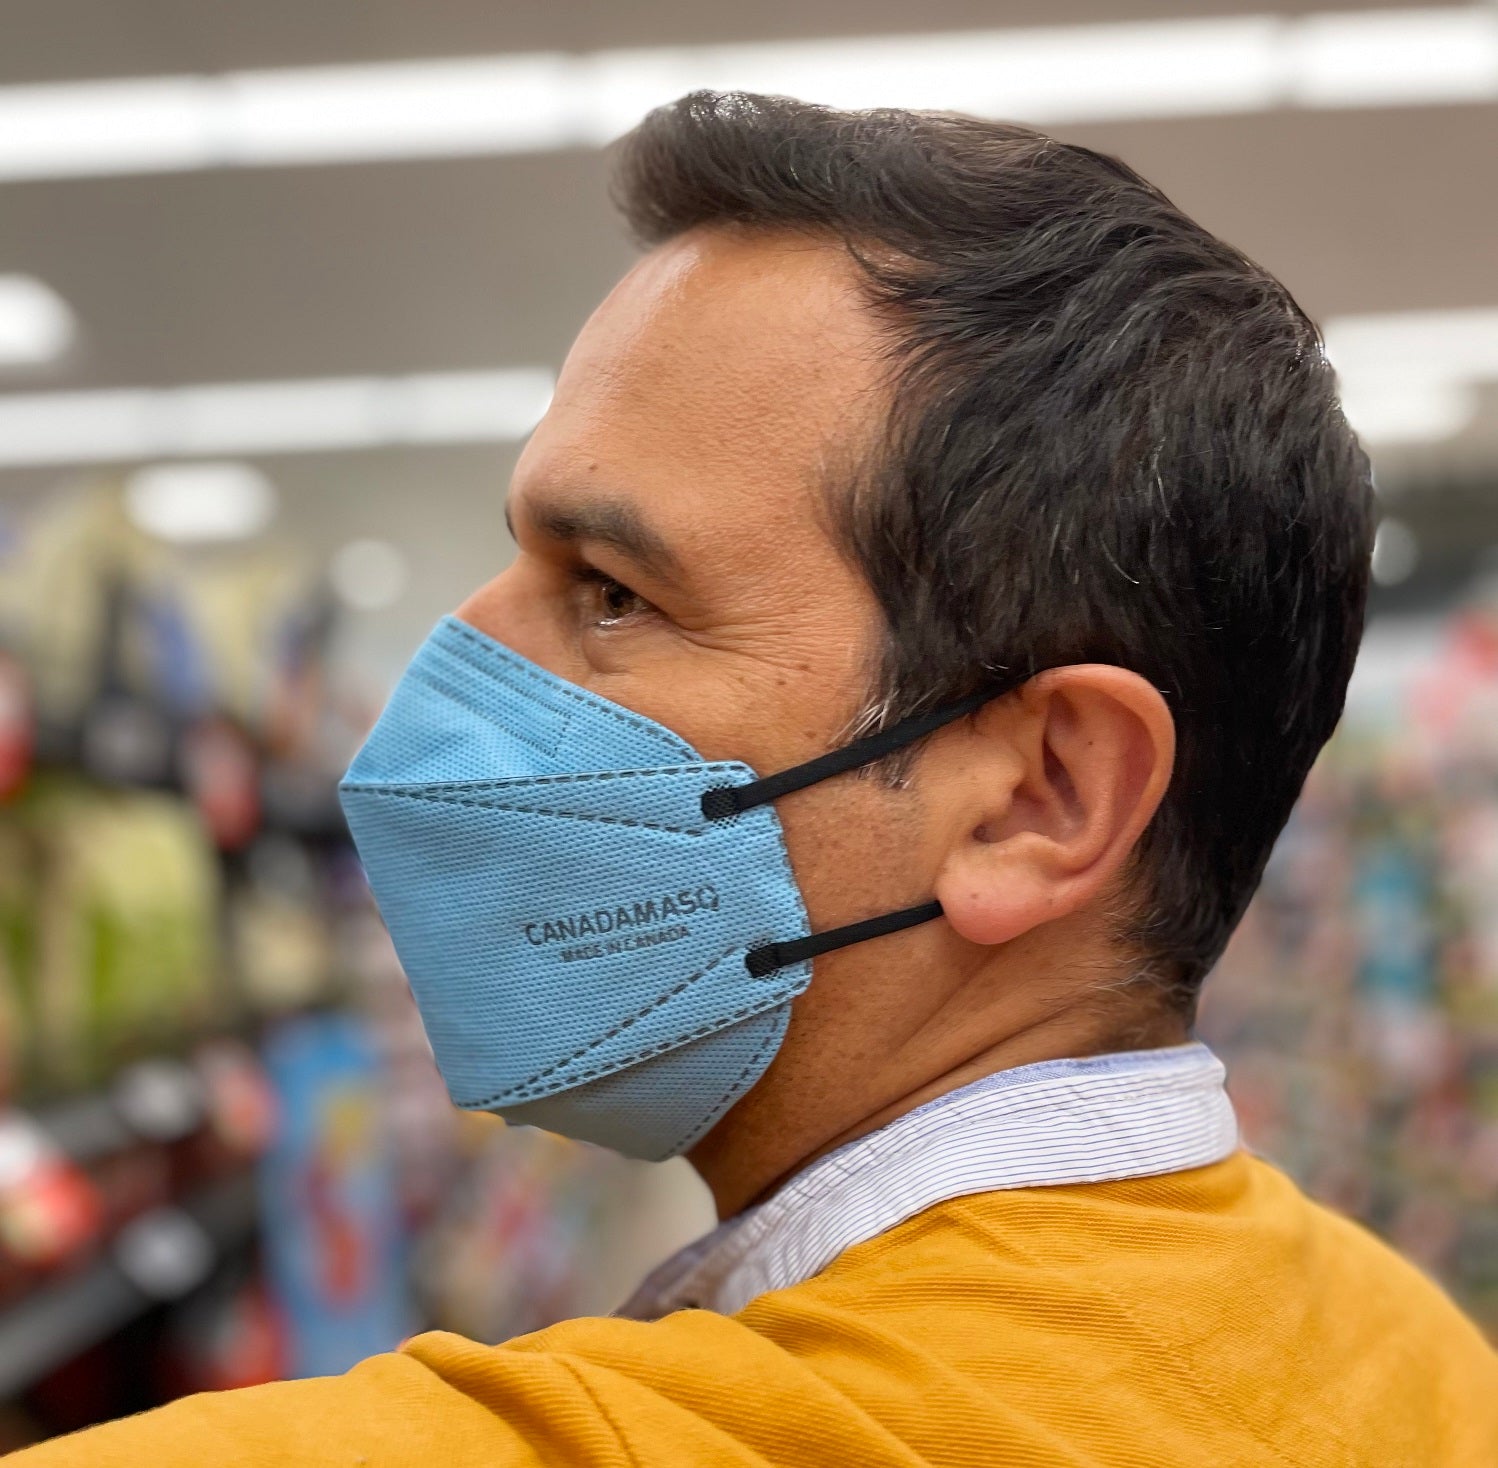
(566,706)
(463,651)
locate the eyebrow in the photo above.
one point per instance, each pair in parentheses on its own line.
(614,523)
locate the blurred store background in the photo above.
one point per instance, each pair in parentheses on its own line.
(282,287)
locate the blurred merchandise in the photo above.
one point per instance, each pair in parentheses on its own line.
(514,1247)
(328,1199)
(50,1212)
(1357,1007)
(278,930)
(173,877)
(17,725)
(219,775)
(121,892)
(230,1335)
(239,1099)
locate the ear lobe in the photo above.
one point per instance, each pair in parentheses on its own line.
(992,892)
(1094,746)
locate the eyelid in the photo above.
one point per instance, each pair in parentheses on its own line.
(584,574)
(628,576)
(586,571)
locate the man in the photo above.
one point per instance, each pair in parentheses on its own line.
(938,570)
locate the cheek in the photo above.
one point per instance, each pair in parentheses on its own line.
(519,608)
(859,849)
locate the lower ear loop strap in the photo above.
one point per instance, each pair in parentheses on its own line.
(771,956)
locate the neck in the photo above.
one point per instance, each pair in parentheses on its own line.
(782,1127)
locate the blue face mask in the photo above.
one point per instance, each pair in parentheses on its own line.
(601,928)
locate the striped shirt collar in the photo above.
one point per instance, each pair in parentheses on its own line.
(1133,1114)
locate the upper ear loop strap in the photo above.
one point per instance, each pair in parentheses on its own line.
(723,801)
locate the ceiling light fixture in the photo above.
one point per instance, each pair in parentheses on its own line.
(35,322)
(121,426)
(369,574)
(194,503)
(549,100)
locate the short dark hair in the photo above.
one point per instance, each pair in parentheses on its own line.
(1112,438)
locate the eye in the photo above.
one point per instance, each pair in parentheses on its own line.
(609,601)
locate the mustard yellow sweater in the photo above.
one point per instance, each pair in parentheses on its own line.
(1209,1318)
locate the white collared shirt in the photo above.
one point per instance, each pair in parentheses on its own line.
(1132,1114)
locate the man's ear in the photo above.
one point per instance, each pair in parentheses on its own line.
(1062,781)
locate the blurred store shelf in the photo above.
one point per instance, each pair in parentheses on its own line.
(159,1257)
(85,1127)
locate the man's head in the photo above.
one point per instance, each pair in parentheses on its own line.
(898,404)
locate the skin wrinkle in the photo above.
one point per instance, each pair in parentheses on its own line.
(710,392)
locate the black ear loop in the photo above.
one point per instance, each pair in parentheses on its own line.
(723,802)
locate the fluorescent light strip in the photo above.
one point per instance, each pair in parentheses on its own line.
(538,102)
(1413,376)
(125,426)
(1408,410)
(1460,343)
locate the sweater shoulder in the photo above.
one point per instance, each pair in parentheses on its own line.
(1222,1296)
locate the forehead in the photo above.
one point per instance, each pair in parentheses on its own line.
(721,373)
